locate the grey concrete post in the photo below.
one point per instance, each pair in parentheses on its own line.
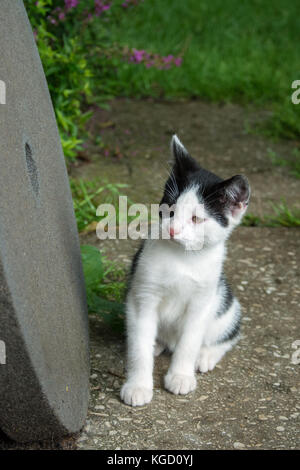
(44,364)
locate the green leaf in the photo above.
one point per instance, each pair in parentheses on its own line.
(92,266)
(111,312)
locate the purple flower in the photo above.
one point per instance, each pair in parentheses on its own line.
(153,60)
(52,20)
(71,4)
(138,55)
(168,59)
(100,7)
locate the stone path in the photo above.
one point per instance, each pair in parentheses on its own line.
(217,136)
(251,399)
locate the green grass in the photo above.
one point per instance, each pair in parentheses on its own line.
(241,51)
(87,195)
(105,283)
(282,216)
(292,163)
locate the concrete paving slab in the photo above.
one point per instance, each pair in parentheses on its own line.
(250,400)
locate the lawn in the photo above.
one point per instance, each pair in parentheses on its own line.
(239,51)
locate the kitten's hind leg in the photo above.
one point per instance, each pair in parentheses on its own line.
(209,356)
(222,335)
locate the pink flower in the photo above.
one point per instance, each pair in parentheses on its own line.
(153,60)
(100,7)
(138,55)
(71,4)
(178,61)
(168,59)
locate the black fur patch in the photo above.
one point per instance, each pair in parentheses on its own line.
(232,333)
(227,295)
(134,264)
(135,260)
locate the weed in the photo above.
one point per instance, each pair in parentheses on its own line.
(292,163)
(105,287)
(87,196)
(283,216)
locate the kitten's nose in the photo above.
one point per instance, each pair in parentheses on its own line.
(173,232)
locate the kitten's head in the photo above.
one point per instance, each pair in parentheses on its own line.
(198,208)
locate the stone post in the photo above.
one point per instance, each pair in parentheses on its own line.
(44,363)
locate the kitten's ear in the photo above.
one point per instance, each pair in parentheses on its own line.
(183,162)
(236,195)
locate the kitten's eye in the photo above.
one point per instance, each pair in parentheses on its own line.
(197,220)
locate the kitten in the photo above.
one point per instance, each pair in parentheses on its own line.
(178,297)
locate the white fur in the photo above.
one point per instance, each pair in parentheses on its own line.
(173,302)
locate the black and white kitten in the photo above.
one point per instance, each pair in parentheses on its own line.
(178,297)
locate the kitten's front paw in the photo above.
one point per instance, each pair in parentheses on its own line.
(180,384)
(135,395)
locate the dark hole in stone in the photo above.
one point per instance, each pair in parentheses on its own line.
(32,169)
